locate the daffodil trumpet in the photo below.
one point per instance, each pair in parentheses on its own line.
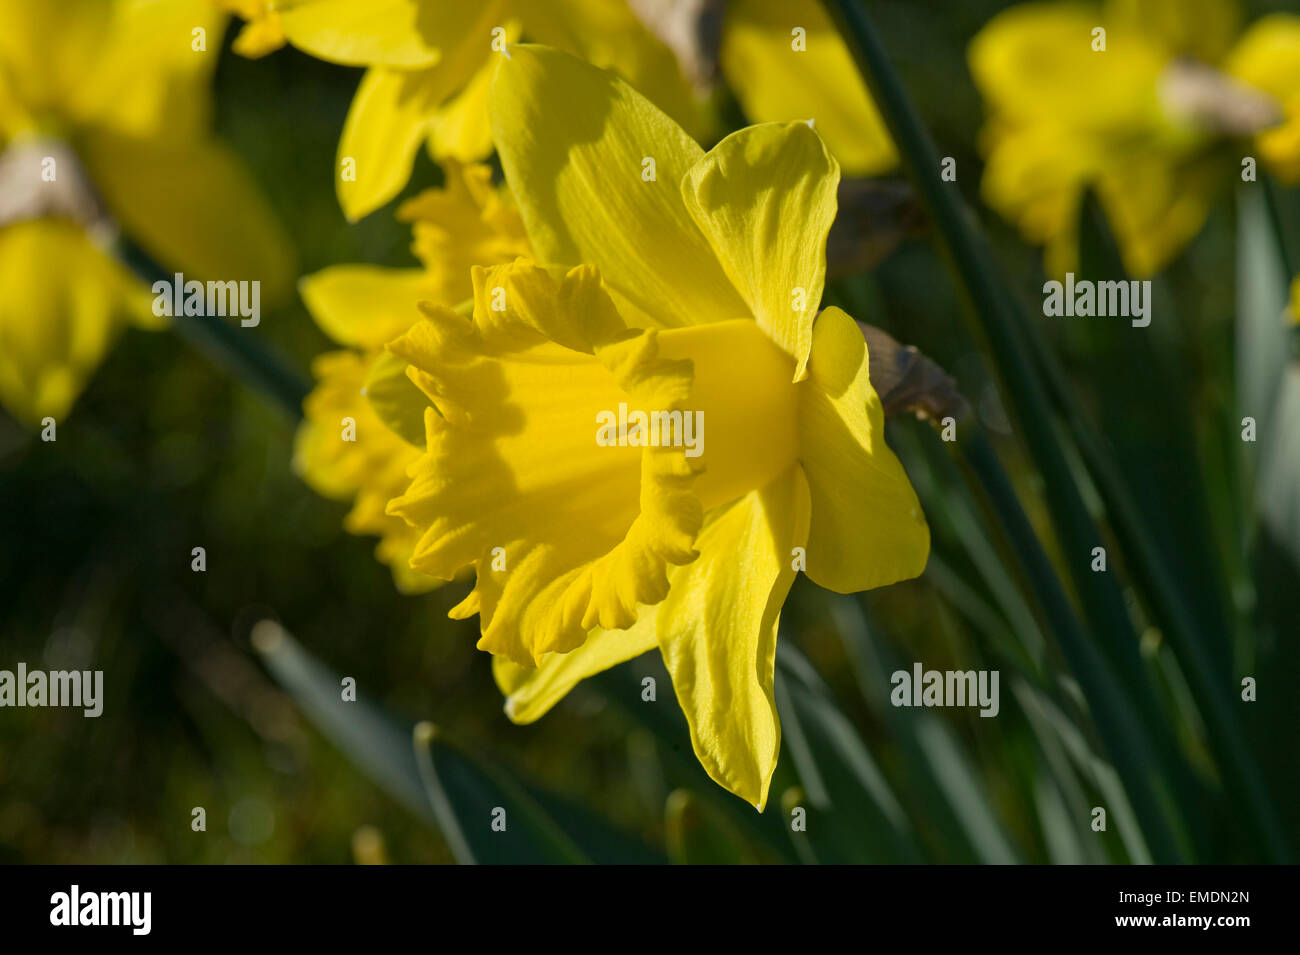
(639,429)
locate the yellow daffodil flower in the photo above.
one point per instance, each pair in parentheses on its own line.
(104,101)
(688,296)
(1136,121)
(363,422)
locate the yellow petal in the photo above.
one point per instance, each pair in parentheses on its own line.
(394,551)
(129,66)
(394,110)
(566,534)
(194,208)
(775,82)
(1035,62)
(459,129)
(386,123)
(765,198)
(1156,205)
(397,33)
(262,33)
(147,79)
(867,527)
(399,404)
(62,305)
(365,306)
(1034,176)
(260,37)
(344,450)
(1201,29)
(1280,146)
(531,691)
(1268,57)
(717,632)
(320,453)
(610,36)
(574,141)
(467,222)
(45,48)
(15,120)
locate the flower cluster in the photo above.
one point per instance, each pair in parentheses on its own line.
(694,291)
(429,64)
(1135,100)
(104,127)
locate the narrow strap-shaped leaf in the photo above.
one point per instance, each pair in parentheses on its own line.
(946,781)
(699,835)
(1113,705)
(376,742)
(486,816)
(484,813)
(241,352)
(847,792)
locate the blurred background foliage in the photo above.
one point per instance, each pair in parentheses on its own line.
(165,452)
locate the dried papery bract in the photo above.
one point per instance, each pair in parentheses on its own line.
(909,382)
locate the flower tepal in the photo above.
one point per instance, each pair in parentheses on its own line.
(692,291)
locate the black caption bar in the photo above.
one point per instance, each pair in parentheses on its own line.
(133,905)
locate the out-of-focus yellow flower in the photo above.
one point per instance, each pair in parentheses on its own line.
(785,60)
(1136,122)
(430,64)
(345,450)
(263,32)
(431,61)
(364,423)
(406,34)
(1295,300)
(107,100)
(689,298)
(1268,58)
(62,304)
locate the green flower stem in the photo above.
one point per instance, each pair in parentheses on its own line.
(968,256)
(1118,722)
(1285,239)
(240,351)
(1100,594)
(1191,639)
(1240,773)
